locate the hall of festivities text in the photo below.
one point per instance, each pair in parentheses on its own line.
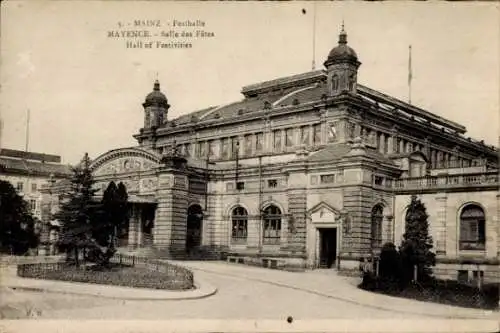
(160,34)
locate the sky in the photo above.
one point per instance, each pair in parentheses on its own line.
(84,90)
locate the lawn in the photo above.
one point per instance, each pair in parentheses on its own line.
(439,291)
(116,274)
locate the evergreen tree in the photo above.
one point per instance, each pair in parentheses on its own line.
(78,211)
(115,214)
(17,225)
(417,243)
(123,213)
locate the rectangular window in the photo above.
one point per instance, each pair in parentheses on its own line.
(327,179)
(202,149)
(225,148)
(272,183)
(248,145)
(234,147)
(240,186)
(463,276)
(33,187)
(289,137)
(32,204)
(259,140)
(211,148)
(317,134)
(277,140)
(378,180)
(19,186)
(304,135)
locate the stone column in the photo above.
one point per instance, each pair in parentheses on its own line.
(311,136)
(324,129)
(382,143)
(133,228)
(390,144)
(139,223)
(241,149)
(357,128)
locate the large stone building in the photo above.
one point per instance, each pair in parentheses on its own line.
(311,170)
(28,172)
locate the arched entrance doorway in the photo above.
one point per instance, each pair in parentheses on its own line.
(194,227)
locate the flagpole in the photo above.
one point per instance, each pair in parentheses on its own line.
(314,37)
(409,74)
(27,130)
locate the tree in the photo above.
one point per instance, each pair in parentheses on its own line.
(114,215)
(123,215)
(79,211)
(416,246)
(17,225)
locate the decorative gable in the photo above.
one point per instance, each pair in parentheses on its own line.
(324,213)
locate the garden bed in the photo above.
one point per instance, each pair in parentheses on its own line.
(116,274)
(439,291)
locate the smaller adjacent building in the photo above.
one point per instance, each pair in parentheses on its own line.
(29,172)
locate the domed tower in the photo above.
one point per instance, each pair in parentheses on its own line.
(342,67)
(155,107)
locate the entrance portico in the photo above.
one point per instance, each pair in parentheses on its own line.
(324,236)
(141,223)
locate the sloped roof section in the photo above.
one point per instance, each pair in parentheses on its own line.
(332,152)
(34,168)
(336,152)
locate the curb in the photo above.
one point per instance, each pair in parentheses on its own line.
(203,290)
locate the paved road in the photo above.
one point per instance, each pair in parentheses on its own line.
(243,293)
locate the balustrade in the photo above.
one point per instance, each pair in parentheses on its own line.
(445,181)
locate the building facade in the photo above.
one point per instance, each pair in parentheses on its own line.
(30,173)
(311,170)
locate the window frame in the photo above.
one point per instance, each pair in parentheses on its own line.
(472,229)
(239,225)
(272,225)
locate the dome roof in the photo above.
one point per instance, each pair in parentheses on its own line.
(342,52)
(156,97)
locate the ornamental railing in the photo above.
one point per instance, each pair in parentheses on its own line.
(484,179)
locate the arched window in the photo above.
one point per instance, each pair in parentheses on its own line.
(335,83)
(351,82)
(472,228)
(376,226)
(272,225)
(239,229)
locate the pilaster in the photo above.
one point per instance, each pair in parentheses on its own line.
(443,247)
(171,213)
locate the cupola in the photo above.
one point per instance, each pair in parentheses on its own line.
(342,67)
(155,108)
